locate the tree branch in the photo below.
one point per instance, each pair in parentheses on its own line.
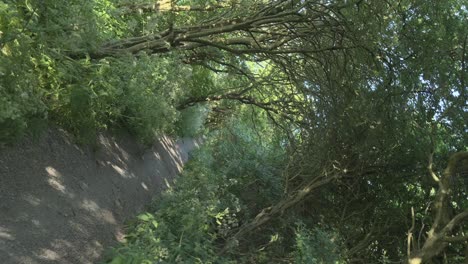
(438,235)
(165,6)
(257,35)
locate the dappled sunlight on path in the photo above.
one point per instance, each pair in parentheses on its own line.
(60,203)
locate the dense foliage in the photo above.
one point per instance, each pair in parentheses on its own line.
(336,131)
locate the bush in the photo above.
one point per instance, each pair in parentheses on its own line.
(139,94)
(190,222)
(182,225)
(191,122)
(19,92)
(83,96)
(315,246)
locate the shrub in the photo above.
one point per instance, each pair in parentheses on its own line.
(190,222)
(181,227)
(83,96)
(191,121)
(19,94)
(138,93)
(316,246)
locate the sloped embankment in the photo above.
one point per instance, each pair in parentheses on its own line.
(60,203)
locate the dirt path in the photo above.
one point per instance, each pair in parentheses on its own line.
(60,203)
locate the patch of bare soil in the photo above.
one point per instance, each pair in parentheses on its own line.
(60,203)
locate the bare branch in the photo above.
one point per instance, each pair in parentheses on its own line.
(459,218)
(410,232)
(442,226)
(430,169)
(165,6)
(456,239)
(278,29)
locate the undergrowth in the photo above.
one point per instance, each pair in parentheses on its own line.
(229,179)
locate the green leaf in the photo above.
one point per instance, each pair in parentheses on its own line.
(145,217)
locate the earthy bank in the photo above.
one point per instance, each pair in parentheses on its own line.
(62,203)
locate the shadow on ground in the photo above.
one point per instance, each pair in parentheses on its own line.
(60,203)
